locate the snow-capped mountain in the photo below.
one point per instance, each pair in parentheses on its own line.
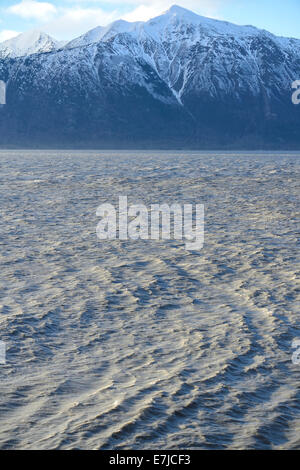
(31,42)
(177,80)
(104,33)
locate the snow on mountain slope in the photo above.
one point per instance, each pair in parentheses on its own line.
(170,23)
(191,52)
(176,19)
(176,65)
(103,33)
(31,42)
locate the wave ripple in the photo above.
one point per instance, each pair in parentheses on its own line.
(143,345)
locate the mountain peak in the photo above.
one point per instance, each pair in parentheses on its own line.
(183,13)
(164,27)
(31,36)
(30,42)
(177,10)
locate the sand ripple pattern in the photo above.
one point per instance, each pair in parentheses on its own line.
(143,345)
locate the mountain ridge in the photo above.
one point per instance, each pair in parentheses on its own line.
(177,80)
(121,26)
(30,42)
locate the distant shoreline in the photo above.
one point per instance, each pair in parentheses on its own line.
(148,149)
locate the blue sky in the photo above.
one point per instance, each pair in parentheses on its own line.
(66,19)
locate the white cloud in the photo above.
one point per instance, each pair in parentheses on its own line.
(7,34)
(147,9)
(31,9)
(75,17)
(72,22)
(143,13)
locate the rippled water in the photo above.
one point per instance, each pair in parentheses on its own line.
(144,345)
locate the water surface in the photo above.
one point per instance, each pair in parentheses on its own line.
(144,345)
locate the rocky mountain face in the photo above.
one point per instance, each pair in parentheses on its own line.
(177,81)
